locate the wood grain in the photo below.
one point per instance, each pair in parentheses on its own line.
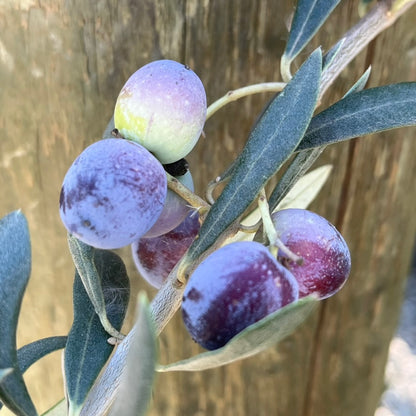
(62,64)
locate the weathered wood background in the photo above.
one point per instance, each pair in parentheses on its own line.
(62,64)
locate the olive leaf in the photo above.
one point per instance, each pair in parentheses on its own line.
(15,266)
(305,158)
(30,353)
(87,349)
(252,340)
(364,112)
(5,372)
(136,385)
(309,16)
(303,192)
(83,256)
(60,409)
(359,85)
(329,57)
(297,168)
(271,142)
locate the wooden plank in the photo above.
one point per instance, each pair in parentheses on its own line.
(62,64)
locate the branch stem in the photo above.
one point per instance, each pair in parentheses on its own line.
(378,19)
(192,199)
(276,243)
(243,92)
(268,225)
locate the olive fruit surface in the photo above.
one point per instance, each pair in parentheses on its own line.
(156,257)
(174,210)
(112,194)
(162,106)
(326,257)
(234,287)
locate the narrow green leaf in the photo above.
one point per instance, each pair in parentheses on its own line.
(87,349)
(254,339)
(297,168)
(60,409)
(360,84)
(306,189)
(364,112)
(271,142)
(15,265)
(3,373)
(300,196)
(30,353)
(83,256)
(329,57)
(303,192)
(305,158)
(309,16)
(135,389)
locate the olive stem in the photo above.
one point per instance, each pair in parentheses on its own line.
(285,69)
(249,229)
(276,243)
(234,95)
(268,225)
(379,18)
(192,199)
(209,193)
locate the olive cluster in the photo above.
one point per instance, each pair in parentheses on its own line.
(115,194)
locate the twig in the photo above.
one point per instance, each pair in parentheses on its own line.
(243,92)
(192,199)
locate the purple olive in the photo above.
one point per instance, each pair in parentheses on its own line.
(326,258)
(156,257)
(174,211)
(234,287)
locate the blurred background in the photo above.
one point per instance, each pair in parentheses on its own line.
(399,398)
(62,65)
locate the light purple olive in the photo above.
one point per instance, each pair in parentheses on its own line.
(112,194)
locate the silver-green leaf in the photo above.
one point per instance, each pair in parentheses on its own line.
(136,384)
(360,84)
(87,348)
(30,353)
(309,17)
(297,168)
(364,112)
(254,339)
(15,266)
(59,409)
(83,257)
(329,57)
(5,372)
(270,144)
